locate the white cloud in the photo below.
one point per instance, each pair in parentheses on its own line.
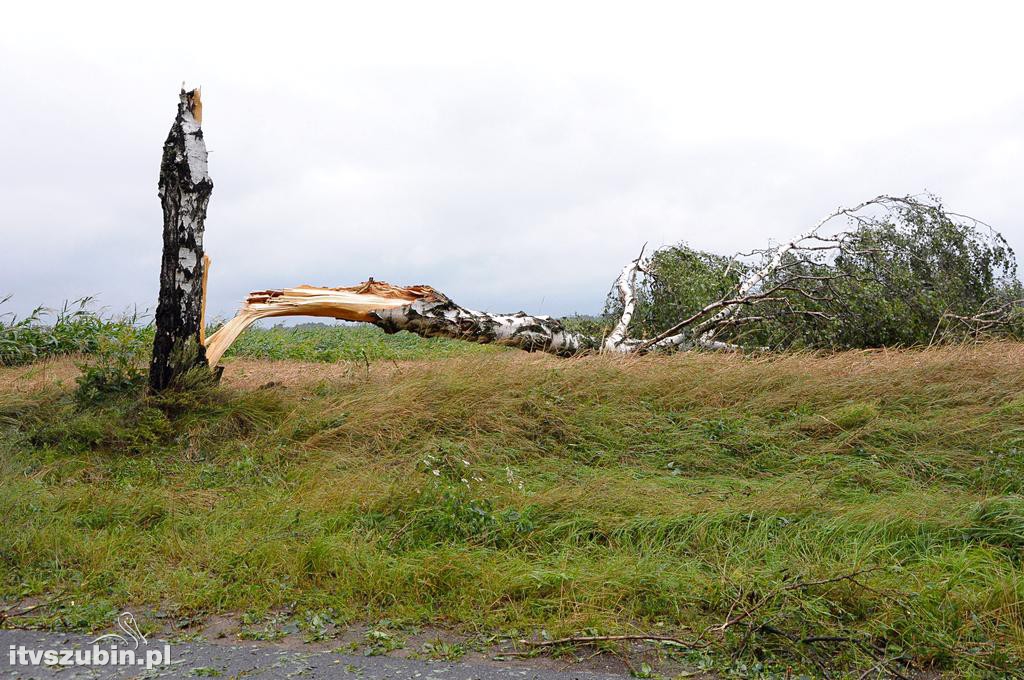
(513,157)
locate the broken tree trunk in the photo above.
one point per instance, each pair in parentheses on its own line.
(185,188)
(429,313)
(418,309)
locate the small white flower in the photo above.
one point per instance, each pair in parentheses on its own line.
(437,473)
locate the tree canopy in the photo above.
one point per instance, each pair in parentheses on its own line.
(896,272)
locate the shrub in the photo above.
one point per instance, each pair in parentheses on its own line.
(117,367)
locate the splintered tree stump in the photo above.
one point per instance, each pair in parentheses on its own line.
(185,188)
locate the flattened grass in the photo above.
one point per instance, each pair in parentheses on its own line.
(506,491)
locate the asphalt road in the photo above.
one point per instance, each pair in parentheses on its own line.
(198,659)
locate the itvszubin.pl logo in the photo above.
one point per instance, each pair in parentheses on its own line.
(112,649)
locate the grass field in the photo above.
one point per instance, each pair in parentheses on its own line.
(795,512)
(320,342)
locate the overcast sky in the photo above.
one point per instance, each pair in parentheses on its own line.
(513,155)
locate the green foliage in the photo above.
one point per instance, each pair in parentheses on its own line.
(73,329)
(594,326)
(909,275)
(117,366)
(455,514)
(451,507)
(439,650)
(380,640)
(680,282)
(902,276)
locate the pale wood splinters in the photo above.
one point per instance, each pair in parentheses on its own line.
(202,311)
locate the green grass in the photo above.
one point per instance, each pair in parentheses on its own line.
(80,329)
(76,328)
(514,493)
(333,343)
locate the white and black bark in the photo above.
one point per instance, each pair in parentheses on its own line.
(429,313)
(184,191)
(796,278)
(440,317)
(417,309)
(625,288)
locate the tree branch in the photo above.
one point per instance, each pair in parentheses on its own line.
(626,287)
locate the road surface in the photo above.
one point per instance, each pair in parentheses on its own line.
(204,659)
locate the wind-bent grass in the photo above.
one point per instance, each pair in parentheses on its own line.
(510,491)
(75,328)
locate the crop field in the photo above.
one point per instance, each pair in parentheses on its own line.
(78,329)
(791,512)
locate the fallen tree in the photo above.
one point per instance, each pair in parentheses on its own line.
(430,313)
(890,272)
(807,278)
(794,293)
